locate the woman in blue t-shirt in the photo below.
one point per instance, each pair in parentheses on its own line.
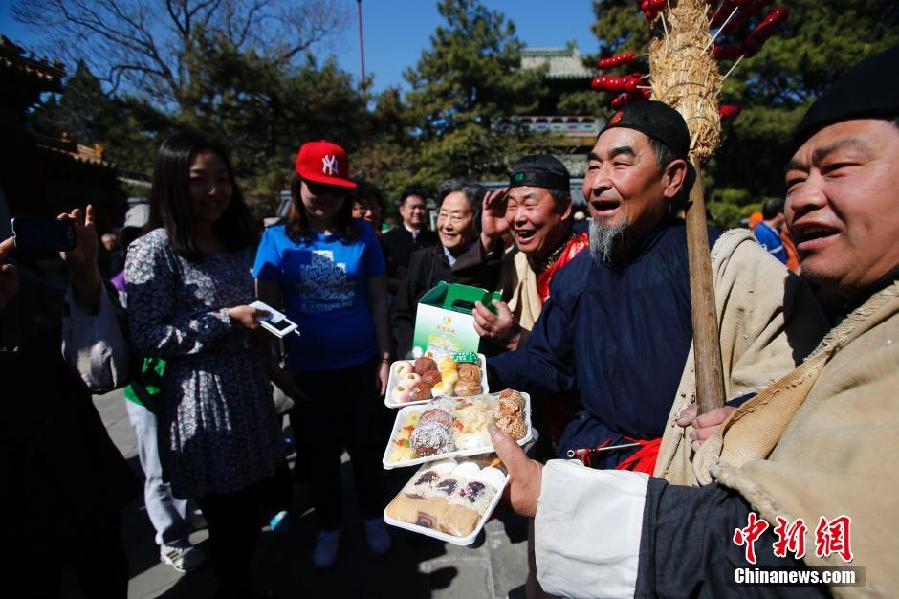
(327,271)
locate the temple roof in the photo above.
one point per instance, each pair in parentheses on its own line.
(91,155)
(40,72)
(563,63)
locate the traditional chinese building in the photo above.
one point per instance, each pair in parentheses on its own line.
(39,175)
(571,135)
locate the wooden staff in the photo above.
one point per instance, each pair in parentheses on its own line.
(706,345)
(684,74)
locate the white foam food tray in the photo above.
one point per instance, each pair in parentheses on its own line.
(402,416)
(442,536)
(392,383)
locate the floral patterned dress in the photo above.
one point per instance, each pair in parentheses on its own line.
(217,424)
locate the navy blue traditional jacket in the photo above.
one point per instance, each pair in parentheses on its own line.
(620,334)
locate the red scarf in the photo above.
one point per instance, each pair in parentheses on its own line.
(571,249)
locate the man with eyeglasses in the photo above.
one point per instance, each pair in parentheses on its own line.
(464,255)
(410,236)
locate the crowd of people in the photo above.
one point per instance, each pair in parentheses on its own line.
(630,491)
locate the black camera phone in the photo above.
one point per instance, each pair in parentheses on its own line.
(43,234)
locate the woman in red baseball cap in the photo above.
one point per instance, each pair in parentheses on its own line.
(327,270)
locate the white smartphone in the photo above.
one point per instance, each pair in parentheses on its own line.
(275,323)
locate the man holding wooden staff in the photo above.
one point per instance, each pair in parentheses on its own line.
(617,324)
(802,472)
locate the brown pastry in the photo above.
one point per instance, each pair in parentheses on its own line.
(423,365)
(508,413)
(417,510)
(458,520)
(430,438)
(469,373)
(436,415)
(510,401)
(419,391)
(431,378)
(466,389)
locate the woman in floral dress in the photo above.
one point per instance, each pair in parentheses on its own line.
(189,286)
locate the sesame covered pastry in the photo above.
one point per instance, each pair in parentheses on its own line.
(508,413)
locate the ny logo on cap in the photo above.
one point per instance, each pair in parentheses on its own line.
(330,165)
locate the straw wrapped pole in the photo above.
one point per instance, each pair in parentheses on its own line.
(684,74)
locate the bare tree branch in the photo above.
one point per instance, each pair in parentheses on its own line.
(241,38)
(149,47)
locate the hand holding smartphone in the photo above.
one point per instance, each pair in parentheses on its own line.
(43,234)
(275,323)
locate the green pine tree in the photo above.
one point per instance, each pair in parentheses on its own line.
(464,89)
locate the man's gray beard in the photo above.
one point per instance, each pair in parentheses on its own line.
(603,240)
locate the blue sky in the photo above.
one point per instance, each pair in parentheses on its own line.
(396,31)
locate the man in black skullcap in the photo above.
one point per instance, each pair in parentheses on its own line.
(616,327)
(798,475)
(623,307)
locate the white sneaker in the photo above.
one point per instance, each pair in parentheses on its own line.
(326,546)
(376,535)
(184,559)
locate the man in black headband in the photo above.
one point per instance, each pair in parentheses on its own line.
(797,474)
(536,210)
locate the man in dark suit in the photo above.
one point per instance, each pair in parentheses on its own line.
(411,235)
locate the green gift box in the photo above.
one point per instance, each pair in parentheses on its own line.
(443,322)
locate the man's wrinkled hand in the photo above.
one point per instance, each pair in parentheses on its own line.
(493,213)
(525,473)
(501,327)
(704,425)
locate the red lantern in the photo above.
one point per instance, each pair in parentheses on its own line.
(763,31)
(728,111)
(614,61)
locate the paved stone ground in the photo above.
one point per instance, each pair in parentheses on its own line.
(416,567)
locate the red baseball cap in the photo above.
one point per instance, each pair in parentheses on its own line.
(324,162)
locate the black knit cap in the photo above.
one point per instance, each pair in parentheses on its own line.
(656,120)
(870,89)
(540,171)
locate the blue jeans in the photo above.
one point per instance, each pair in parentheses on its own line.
(167,514)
